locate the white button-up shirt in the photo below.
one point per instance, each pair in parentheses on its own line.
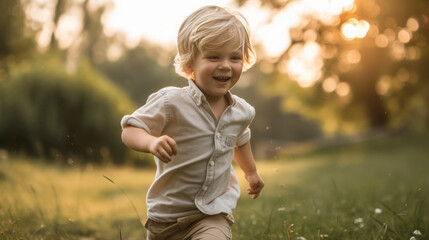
(200,177)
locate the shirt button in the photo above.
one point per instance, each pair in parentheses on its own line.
(205,188)
(218,135)
(211,163)
(200,202)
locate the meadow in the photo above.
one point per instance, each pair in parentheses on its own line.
(374,189)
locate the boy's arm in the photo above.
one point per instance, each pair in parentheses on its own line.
(244,158)
(138,139)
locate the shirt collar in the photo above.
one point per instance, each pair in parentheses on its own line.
(198,96)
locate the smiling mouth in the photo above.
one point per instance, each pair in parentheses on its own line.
(221,78)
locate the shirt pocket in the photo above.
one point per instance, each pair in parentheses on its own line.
(230,141)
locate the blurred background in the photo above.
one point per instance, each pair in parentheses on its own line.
(328,72)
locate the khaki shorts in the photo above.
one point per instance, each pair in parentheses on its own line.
(193,227)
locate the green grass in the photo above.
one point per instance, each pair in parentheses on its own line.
(371,190)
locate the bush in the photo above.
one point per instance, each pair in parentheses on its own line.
(44,111)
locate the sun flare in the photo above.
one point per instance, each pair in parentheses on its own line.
(354,28)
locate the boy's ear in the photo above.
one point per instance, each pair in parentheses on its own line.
(188,68)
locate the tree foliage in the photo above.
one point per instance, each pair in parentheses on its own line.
(60,116)
(142,70)
(372,81)
(48,108)
(15,43)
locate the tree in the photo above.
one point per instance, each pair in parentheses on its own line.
(87,39)
(369,67)
(60,8)
(15,41)
(140,73)
(95,41)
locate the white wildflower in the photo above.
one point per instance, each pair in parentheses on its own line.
(417,232)
(412,238)
(281,209)
(301,238)
(359,220)
(378,211)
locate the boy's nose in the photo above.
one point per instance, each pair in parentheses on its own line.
(224,65)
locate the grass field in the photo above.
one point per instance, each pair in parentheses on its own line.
(376,189)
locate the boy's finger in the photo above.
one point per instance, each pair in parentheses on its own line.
(253,191)
(168,149)
(168,144)
(256,186)
(253,194)
(172,145)
(164,156)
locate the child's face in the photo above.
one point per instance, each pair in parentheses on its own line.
(217,70)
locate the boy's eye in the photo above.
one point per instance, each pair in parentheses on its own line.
(212,57)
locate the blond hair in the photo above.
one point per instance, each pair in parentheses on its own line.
(202,29)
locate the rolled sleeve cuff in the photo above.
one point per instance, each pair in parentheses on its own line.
(130,120)
(243,138)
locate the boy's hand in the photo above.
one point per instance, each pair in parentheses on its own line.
(255,185)
(163,148)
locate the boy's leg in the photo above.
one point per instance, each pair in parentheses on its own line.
(216,227)
(162,231)
(171,231)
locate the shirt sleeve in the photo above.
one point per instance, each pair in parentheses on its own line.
(244,137)
(150,117)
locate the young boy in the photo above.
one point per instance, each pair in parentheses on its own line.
(195,132)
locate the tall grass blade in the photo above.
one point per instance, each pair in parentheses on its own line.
(384,225)
(78,193)
(38,205)
(395,214)
(126,195)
